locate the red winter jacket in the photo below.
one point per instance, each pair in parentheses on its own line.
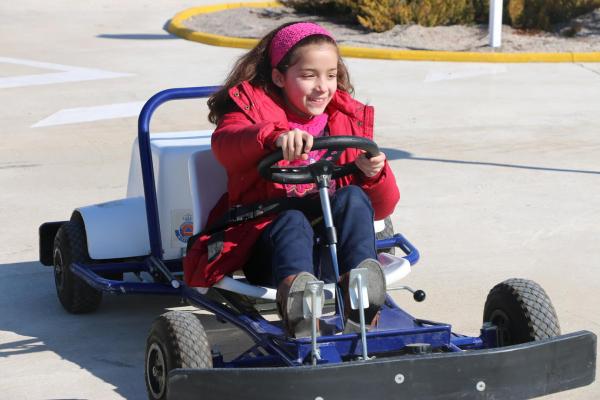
(242,138)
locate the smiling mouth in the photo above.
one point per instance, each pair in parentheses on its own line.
(318,100)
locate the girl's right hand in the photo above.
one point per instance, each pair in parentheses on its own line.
(295,144)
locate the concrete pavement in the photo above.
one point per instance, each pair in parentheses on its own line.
(497,164)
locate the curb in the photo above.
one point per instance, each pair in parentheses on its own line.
(177,28)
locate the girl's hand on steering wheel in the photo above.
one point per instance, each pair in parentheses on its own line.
(295,144)
(370,166)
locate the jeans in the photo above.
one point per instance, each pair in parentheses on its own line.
(290,245)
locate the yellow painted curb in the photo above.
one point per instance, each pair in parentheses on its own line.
(176,27)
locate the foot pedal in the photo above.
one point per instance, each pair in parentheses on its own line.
(359,300)
(312,307)
(358,291)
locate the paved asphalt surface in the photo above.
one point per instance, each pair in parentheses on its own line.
(499,168)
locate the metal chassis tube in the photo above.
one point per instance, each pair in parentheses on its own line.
(263,333)
(146,155)
(89,272)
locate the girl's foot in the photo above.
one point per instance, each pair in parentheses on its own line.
(290,293)
(376,291)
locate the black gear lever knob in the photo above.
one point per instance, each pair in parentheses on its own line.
(419,295)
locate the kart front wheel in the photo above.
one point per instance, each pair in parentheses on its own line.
(70,246)
(177,340)
(522,312)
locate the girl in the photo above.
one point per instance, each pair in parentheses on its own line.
(292,87)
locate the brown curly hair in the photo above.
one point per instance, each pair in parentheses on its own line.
(255,67)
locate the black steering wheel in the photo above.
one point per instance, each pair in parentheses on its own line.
(335,146)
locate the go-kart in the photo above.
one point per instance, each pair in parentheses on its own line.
(136,245)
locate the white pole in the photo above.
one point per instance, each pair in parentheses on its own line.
(495,23)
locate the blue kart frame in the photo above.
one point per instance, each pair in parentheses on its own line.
(454,365)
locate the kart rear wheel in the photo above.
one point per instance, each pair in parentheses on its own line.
(386,233)
(70,246)
(522,311)
(177,340)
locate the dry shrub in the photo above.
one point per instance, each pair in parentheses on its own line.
(382,15)
(542,14)
(375,15)
(322,7)
(443,12)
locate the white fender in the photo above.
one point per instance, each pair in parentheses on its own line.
(116,229)
(395,268)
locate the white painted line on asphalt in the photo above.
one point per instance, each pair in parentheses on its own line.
(464,73)
(96,113)
(67,73)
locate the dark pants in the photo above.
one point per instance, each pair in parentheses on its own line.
(290,244)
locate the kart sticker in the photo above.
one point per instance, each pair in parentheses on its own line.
(183,227)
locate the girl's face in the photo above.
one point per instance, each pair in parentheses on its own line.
(310,83)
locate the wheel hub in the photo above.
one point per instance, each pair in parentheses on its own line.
(155,366)
(502,321)
(58,269)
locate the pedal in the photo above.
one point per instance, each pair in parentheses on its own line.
(312,307)
(359,300)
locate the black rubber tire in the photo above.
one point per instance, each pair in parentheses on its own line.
(176,340)
(386,233)
(70,245)
(522,311)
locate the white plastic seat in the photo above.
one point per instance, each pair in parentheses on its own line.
(208,182)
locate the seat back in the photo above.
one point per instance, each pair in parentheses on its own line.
(208,182)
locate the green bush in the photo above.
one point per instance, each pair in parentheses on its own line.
(381,15)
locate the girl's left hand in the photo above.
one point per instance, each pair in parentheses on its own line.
(370,166)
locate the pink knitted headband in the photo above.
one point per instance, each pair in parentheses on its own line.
(287,37)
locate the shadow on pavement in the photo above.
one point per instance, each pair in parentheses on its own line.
(138,36)
(109,343)
(393,154)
